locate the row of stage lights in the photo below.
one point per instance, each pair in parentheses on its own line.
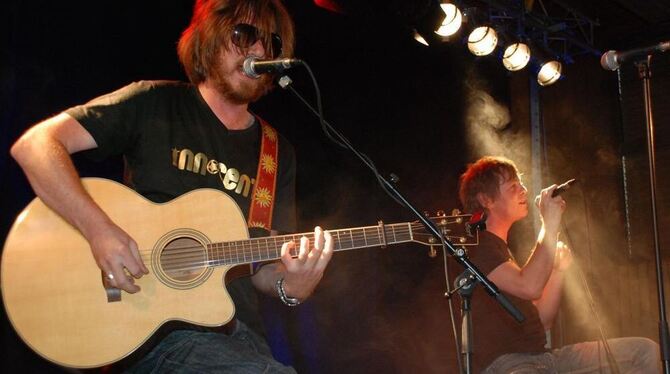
(483,40)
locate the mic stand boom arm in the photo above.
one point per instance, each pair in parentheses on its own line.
(490,287)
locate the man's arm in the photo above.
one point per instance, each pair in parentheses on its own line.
(548,305)
(529,281)
(44,154)
(301,274)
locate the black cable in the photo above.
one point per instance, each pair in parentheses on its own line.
(589,295)
(333,134)
(451,311)
(342,141)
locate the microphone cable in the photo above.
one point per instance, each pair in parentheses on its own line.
(588,294)
(452,317)
(614,366)
(339,139)
(331,133)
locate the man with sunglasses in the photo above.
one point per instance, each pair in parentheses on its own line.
(176,137)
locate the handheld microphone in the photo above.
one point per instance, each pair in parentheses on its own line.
(253,67)
(611,60)
(559,190)
(562,187)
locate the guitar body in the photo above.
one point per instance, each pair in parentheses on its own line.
(53,291)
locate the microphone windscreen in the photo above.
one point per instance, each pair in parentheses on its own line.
(609,61)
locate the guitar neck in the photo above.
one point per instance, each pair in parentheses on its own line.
(269,248)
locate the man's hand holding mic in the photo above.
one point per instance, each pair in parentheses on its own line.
(551,206)
(551,197)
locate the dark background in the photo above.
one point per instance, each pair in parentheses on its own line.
(407,106)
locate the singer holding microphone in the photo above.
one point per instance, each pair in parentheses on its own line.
(501,345)
(176,137)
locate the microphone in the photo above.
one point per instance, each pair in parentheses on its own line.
(562,187)
(611,60)
(253,67)
(559,190)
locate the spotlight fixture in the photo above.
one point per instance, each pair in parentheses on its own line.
(420,38)
(452,20)
(482,40)
(516,56)
(550,72)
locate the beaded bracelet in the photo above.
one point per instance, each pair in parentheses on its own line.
(288,301)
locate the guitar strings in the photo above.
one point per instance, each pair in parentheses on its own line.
(190,257)
(295,237)
(284,238)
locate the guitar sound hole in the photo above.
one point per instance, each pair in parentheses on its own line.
(183,259)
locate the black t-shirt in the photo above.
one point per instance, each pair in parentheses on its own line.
(496,332)
(173,143)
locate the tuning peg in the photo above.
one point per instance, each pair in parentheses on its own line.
(440,213)
(426,213)
(432,253)
(455,212)
(460,252)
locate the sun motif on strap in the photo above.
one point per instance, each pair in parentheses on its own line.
(268,163)
(270,133)
(257,224)
(263,197)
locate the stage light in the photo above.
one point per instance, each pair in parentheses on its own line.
(516,56)
(482,40)
(549,73)
(452,20)
(420,38)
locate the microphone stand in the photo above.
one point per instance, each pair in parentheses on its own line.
(644,71)
(491,288)
(465,284)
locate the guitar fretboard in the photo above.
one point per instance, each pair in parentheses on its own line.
(269,248)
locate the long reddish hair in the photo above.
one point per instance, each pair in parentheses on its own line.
(213,22)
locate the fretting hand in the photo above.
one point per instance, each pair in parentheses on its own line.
(304,272)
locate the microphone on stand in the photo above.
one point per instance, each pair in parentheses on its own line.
(254,67)
(611,60)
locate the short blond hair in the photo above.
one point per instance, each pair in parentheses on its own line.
(484,176)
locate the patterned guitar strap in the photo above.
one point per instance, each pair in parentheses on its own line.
(263,194)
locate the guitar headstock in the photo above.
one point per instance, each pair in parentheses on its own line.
(455,227)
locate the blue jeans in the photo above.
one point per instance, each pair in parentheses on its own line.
(186,351)
(633,355)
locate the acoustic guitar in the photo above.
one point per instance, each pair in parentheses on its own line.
(57,299)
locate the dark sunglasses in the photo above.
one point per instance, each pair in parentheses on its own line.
(245,35)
